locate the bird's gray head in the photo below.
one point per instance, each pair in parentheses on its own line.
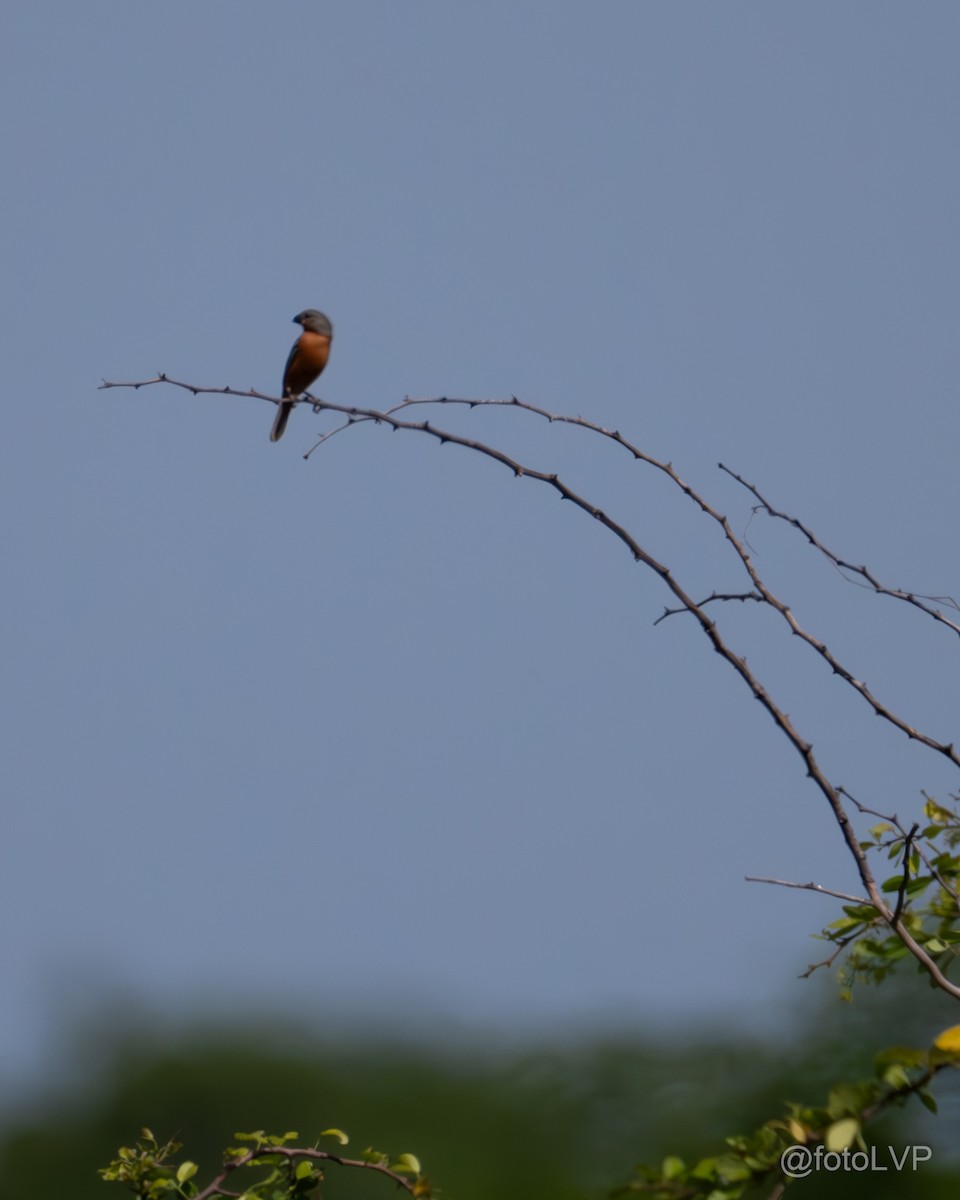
(314,320)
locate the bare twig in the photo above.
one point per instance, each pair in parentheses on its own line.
(847,568)
(813,887)
(741,596)
(841,945)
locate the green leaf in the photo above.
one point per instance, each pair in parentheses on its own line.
(919,884)
(705,1169)
(335,1133)
(936,812)
(927,1100)
(673,1167)
(895,1076)
(186,1171)
(847,1098)
(900,1056)
(407,1162)
(732,1170)
(842,1134)
(844,924)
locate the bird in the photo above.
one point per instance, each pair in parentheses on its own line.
(308,356)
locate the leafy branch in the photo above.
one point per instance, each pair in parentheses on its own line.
(768,1156)
(285,1172)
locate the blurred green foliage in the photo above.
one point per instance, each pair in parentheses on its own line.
(556,1120)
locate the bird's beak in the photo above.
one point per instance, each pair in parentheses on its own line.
(296,319)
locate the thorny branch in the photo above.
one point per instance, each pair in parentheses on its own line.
(833,795)
(848,569)
(215,1186)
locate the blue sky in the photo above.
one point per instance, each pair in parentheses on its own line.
(389,732)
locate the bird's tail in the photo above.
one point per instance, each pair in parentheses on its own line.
(280,421)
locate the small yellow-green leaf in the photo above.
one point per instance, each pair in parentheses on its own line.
(673,1167)
(186,1171)
(407,1162)
(303,1168)
(842,1134)
(797,1131)
(336,1133)
(896,1076)
(705,1169)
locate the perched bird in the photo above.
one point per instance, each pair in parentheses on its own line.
(308,357)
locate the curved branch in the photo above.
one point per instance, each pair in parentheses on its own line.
(870,580)
(880,709)
(215,1186)
(804,748)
